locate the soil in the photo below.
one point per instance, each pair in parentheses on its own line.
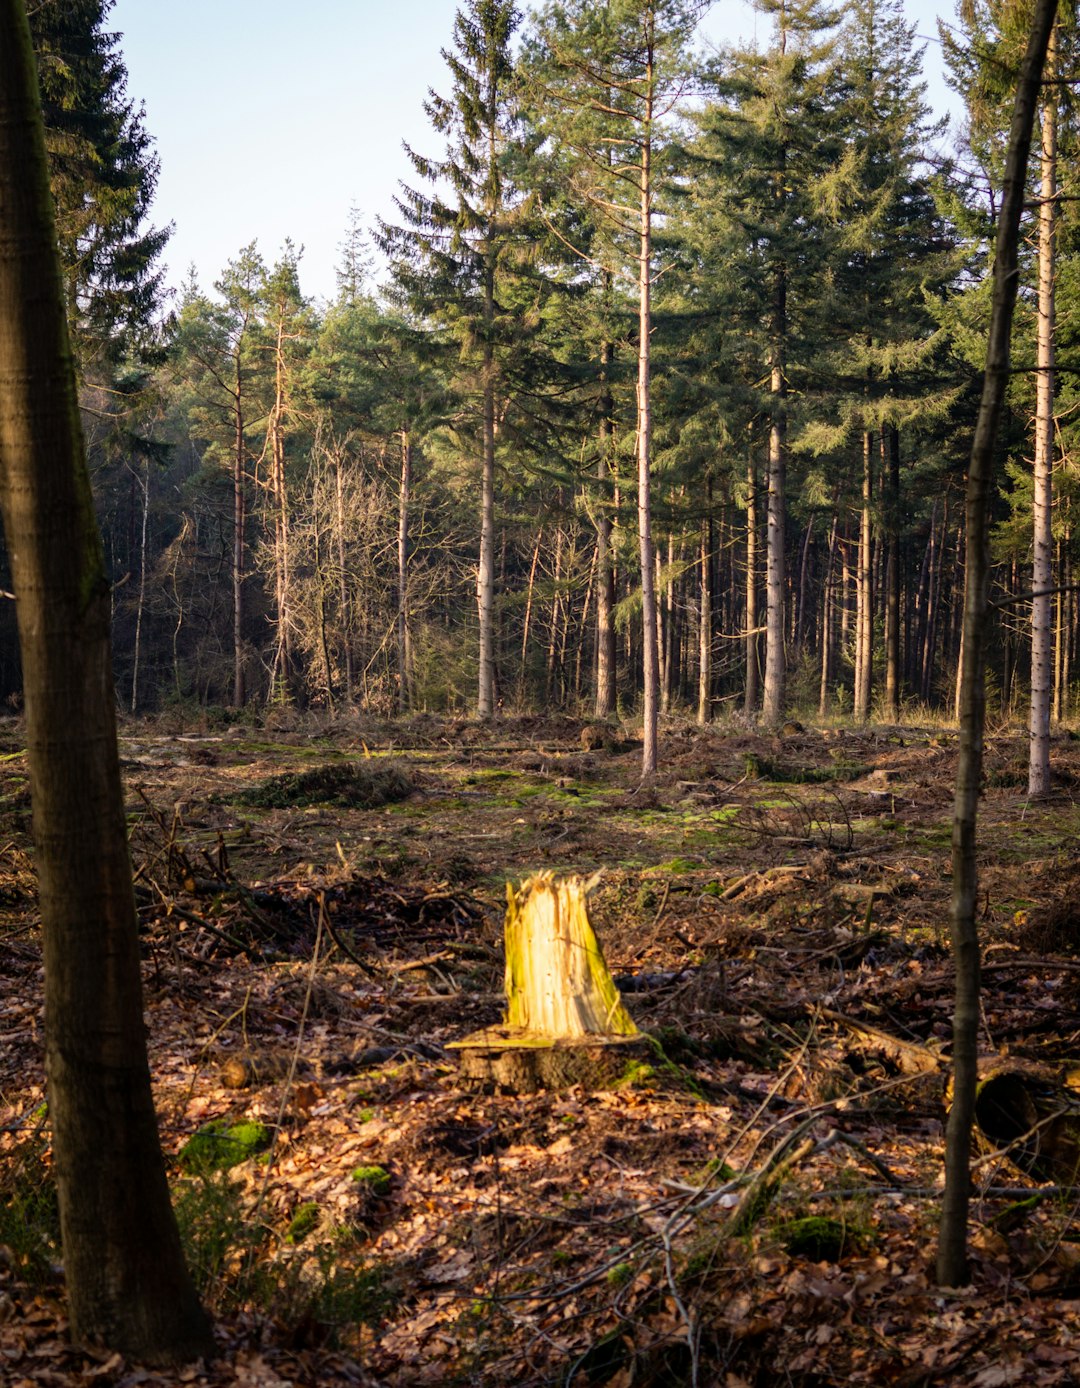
(755,1204)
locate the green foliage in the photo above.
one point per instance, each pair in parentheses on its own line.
(221,1145)
(103,172)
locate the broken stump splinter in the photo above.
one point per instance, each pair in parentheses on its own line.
(565,1021)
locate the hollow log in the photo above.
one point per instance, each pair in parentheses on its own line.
(1030,1112)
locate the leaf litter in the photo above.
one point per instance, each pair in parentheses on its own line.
(757,1206)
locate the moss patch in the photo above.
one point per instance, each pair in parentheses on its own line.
(375,1179)
(218,1146)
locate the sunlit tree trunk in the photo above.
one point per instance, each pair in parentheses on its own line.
(126,1282)
(1042,645)
(775,661)
(404,494)
(952,1262)
(891,442)
(864,598)
(605,571)
(650,651)
(751,683)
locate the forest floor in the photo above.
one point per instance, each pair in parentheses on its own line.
(308,959)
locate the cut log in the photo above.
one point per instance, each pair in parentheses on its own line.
(1027,1111)
(565,1022)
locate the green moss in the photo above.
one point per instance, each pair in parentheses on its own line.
(619,1275)
(365,1115)
(218,1146)
(820,1238)
(303,1221)
(375,1178)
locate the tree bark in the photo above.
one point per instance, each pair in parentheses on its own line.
(650,652)
(751,682)
(605,571)
(892,575)
(404,496)
(1042,652)
(126,1280)
(952,1262)
(864,597)
(775,663)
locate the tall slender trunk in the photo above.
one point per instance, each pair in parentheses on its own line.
(864,600)
(144,486)
(827,621)
(775,661)
(1042,661)
(404,496)
(705,615)
(892,574)
(239,519)
(650,653)
(751,590)
(605,569)
(952,1263)
(343,580)
(126,1282)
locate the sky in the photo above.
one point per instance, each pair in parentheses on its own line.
(270,126)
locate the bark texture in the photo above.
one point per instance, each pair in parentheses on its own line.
(952,1261)
(126,1280)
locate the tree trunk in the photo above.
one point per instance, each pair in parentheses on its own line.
(827,622)
(126,1280)
(864,598)
(1042,656)
(952,1263)
(705,619)
(605,572)
(485,574)
(144,487)
(404,495)
(775,663)
(751,686)
(892,575)
(650,652)
(239,517)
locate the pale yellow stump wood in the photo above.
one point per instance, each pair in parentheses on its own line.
(565,1021)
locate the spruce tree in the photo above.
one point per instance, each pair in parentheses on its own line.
(768,139)
(613,75)
(455,254)
(103,172)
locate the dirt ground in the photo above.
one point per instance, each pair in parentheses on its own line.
(758,1206)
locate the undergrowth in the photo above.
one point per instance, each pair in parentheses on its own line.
(355,785)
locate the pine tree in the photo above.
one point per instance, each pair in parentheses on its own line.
(613,75)
(454,262)
(768,140)
(103,172)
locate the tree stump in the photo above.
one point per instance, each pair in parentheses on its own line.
(565,1022)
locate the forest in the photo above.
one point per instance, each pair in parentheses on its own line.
(756,280)
(539,794)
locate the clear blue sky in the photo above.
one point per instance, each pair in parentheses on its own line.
(272,118)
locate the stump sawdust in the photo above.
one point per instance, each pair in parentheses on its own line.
(574,1237)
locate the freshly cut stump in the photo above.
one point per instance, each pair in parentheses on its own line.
(565,1021)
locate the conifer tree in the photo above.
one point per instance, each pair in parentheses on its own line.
(770,136)
(103,172)
(613,74)
(453,261)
